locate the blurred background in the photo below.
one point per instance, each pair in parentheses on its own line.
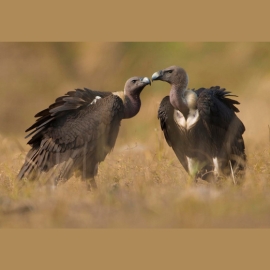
(152,187)
(33,75)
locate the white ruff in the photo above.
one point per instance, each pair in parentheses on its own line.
(192,119)
(119,94)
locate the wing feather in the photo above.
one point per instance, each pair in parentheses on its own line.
(68,129)
(218,114)
(172,133)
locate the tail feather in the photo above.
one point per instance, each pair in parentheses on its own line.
(29,165)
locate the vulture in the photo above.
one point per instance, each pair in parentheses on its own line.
(202,128)
(77,132)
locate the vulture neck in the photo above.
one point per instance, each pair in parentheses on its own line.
(182,99)
(132,105)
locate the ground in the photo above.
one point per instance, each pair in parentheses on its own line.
(139,186)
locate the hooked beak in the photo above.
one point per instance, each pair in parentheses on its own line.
(157,75)
(146,80)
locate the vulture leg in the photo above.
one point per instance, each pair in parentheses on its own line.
(78,131)
(198,169)
(89,169)
(207,173)
(213,142)
(91,184)
(88,176)
(233,178)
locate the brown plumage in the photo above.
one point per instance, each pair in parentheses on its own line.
(201,126)
(78,131)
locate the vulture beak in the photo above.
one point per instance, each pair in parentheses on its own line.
(157,75)
(145,80)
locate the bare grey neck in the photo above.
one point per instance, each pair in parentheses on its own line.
(178,100)
(132,105)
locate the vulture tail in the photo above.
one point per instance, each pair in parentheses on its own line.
(29,165)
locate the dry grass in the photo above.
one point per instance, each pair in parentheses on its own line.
(138,186)
(141,183)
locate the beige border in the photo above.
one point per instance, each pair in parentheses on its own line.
(134,249)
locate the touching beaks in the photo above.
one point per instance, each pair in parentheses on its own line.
(146,80)
(156,75)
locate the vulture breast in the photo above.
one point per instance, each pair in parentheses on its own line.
(188,123)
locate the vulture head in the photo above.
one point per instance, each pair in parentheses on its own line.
(173,75)
(132,90)
(135,85)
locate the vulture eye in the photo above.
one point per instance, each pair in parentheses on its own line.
(133,81)
(169,71)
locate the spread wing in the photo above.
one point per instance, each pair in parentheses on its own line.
(76,132)
(172,133)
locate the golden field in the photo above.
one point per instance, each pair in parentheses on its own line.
(141,184)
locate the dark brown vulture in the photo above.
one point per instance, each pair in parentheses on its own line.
(202,128)
(78,131)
